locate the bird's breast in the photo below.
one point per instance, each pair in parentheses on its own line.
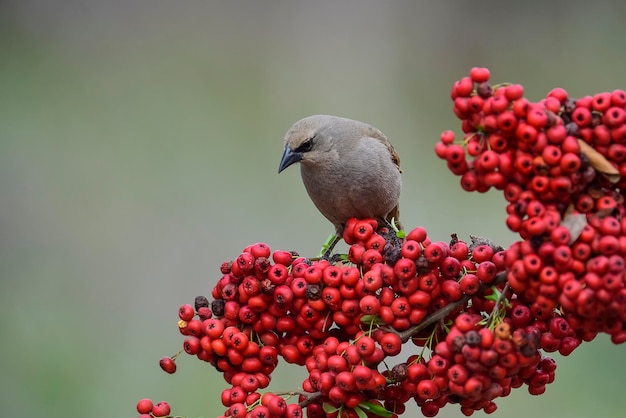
(365,190)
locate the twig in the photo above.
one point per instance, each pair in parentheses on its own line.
(446,310)
(308,397)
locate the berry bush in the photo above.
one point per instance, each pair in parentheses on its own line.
(480,318)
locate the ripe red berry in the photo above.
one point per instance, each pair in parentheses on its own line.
(441,150)
(458,374)
(455,154)
(581,116)
(161,409)
(168,365)
(469,284)
(260,249)
(391,343)
(370,305)
(260,411)
(537,117)
(601,102)
(404,269)
(144,406)
(463,87)
(282,257)
(427,389)
(479,75)
(186,312)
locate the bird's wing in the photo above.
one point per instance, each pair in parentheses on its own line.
(395,212)
(382,138)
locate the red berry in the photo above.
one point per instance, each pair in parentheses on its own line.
(161,409)
(479,75)
(168,365)
(537,117)
(260,411)
(145,406)
(436,252)
(455,154)
(463,87)
(447,137)
(260,249)
(363,230)
(391,344)
(411,249)
(458,374)
(404,269)
(514,92)
(470,283)
(293,410)
(450,267)
(581,116)
(282,257)
(441,150)
(559,94)
(401,309)
(186,312)
(614,117)
(601,102)
(427,389)
(370,305)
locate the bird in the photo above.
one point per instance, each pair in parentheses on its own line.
(349,169)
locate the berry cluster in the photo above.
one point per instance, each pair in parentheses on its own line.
(558,162)
(480,317)
(345,319)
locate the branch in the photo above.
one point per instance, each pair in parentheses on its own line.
(447,310)
(309,398)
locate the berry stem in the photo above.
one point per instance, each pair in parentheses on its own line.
(496,308)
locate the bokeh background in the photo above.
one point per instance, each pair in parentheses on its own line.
(139,146)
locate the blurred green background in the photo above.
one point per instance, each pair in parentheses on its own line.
(139,145)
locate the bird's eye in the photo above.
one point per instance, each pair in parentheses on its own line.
(306,145)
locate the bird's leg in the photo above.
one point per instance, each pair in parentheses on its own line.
(385,222)
(328,246)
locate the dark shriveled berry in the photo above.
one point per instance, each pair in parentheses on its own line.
(392,254)
(217,307)
(201,302)
(484,90)
(399,372)
(267,287)
(313,291)
(472,338)
(422,265)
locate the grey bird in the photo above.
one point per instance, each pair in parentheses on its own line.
(349,168)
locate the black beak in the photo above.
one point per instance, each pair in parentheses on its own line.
(289,157)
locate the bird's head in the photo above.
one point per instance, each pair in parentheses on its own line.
(308,141)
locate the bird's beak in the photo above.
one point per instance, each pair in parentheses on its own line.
(289,157)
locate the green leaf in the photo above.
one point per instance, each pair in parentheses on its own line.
(328,408)
(375,408)
(495,295)
(344,258)
(400,234)
(372,319)
(326,245)
(360,412)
